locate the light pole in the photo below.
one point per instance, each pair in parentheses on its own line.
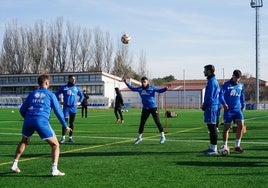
(257,4)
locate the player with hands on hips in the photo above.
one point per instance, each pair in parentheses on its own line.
(70,91)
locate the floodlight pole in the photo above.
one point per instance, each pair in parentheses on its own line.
(257,4)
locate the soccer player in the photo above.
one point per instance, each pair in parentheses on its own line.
(147,94)
(210,107)
(232,98)
(84,104)
(118,103)
(36,113)
(70,92)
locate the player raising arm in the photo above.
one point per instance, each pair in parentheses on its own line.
(147,94)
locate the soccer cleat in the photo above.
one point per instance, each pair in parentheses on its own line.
(239,149)
(57,173)
(71,140)
(122,122)
(162,139)
(118,121)
(62,140)
(15,169)
(210,152)
(138,140)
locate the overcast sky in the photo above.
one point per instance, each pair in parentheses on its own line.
(178,37)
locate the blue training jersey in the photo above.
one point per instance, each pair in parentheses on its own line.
(147,94)
(212,93)
(233,95)
(39,103)
(70,93)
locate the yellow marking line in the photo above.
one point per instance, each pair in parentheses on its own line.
(97,146)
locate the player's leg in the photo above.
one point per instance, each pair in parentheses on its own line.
(121,115)
(155,115)
(210,116)
(72,118)
(55,152)
(228,118)
(144,116)
(83,109)
(116,115)
(239,118)
(66,116)
(27,132)
(86,111)
(19,151)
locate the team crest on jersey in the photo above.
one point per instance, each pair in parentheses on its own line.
(39,95)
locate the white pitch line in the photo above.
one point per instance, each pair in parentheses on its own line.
(151,139)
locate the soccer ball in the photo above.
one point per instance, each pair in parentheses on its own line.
(224,150)
(125,39)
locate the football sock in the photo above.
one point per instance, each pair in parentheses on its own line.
(54,166)
(237,142)
(162,134)
(15,162)
(225,143)
(140,135)
(213,147)
(63,137)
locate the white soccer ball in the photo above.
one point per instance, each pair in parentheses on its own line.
(12,111)
(224,150)
(125,39)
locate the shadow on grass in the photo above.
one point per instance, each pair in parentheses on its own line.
(221,164)
(20,175)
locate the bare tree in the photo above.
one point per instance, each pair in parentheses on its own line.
(98,51)
(108,52)
(73,37)
(85,52)
(14,52)
(122,62)
(36,47)
(142,70)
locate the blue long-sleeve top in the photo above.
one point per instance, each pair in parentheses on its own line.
(70,93)
(211,93)
(232,94)
(147,94)
(39,103)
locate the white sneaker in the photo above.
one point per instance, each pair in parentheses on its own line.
(57,173)
(162,139)
(15,169)
(62,140)
(138,140)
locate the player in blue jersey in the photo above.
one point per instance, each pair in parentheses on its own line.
(232,98)
(210,107)
(36,113)
(147,94)
(70,91)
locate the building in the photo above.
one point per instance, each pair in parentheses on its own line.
(99,85)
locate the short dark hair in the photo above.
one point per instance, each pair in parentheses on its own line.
(42,78)
(144,78)
(237,73)
(116,89)
(210,67)
(70,76)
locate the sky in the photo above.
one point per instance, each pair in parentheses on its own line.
(178,37)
